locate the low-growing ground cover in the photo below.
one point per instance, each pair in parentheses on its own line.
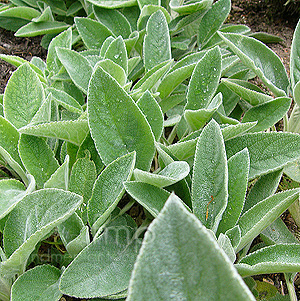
(166,116)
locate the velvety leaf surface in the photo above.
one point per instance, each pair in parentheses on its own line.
(37,158)
(60,178)
(114,20)
(273,259)
(264,187)
(71,131)
(31,220)
(204,80)
(295,57)
(150,197)
(108,189)
(9,139)
(104,267)
(117,124)
(113,3)
(152,111)
(180,260)
(92,32)
(212,21)
(210,177)
(188,8)
(257,218)
(62,40)
(157,45)
(268,151)
(267,114)
(77,66)
(23,96)
(238,169)
(116,52)
(39,283)
(261,60)
(171,174)
(83,177)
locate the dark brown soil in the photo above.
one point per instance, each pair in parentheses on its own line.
(23,47)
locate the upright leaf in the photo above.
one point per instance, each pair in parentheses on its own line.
(37,158)
(117,125)
(62,40)
(164,271)
(77,66)
(116,52)
(261,60)
(93,33)
(114,20)
(238,169)
(152,111)
(295,57)
(108,190)
(186,7)
(210,177)
(23,96)
(212,21)
(157,45)
(204,80)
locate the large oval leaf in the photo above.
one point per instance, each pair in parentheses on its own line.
(295,57)
(23,96)
(180,260)
(117,125)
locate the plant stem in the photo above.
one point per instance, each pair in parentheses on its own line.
(289,279)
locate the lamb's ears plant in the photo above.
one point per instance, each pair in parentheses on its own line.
(173,235)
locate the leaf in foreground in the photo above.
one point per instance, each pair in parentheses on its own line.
(179,259)
(39,284)
(30,221)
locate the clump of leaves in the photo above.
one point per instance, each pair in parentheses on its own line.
(158,110)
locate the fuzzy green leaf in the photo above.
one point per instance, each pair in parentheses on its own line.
(77,66)
(37,158)
(108,189)
(283,258)
(238,169)
(157,45)
(204,80)
(210,177)
(72,131)
(264,213)
(179,259)
(103,268)
(152,111)
(261,60)
(186,7)
(268,151)
(295,57)
(30,221)
(117,124)
(23,96)
(43,282)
